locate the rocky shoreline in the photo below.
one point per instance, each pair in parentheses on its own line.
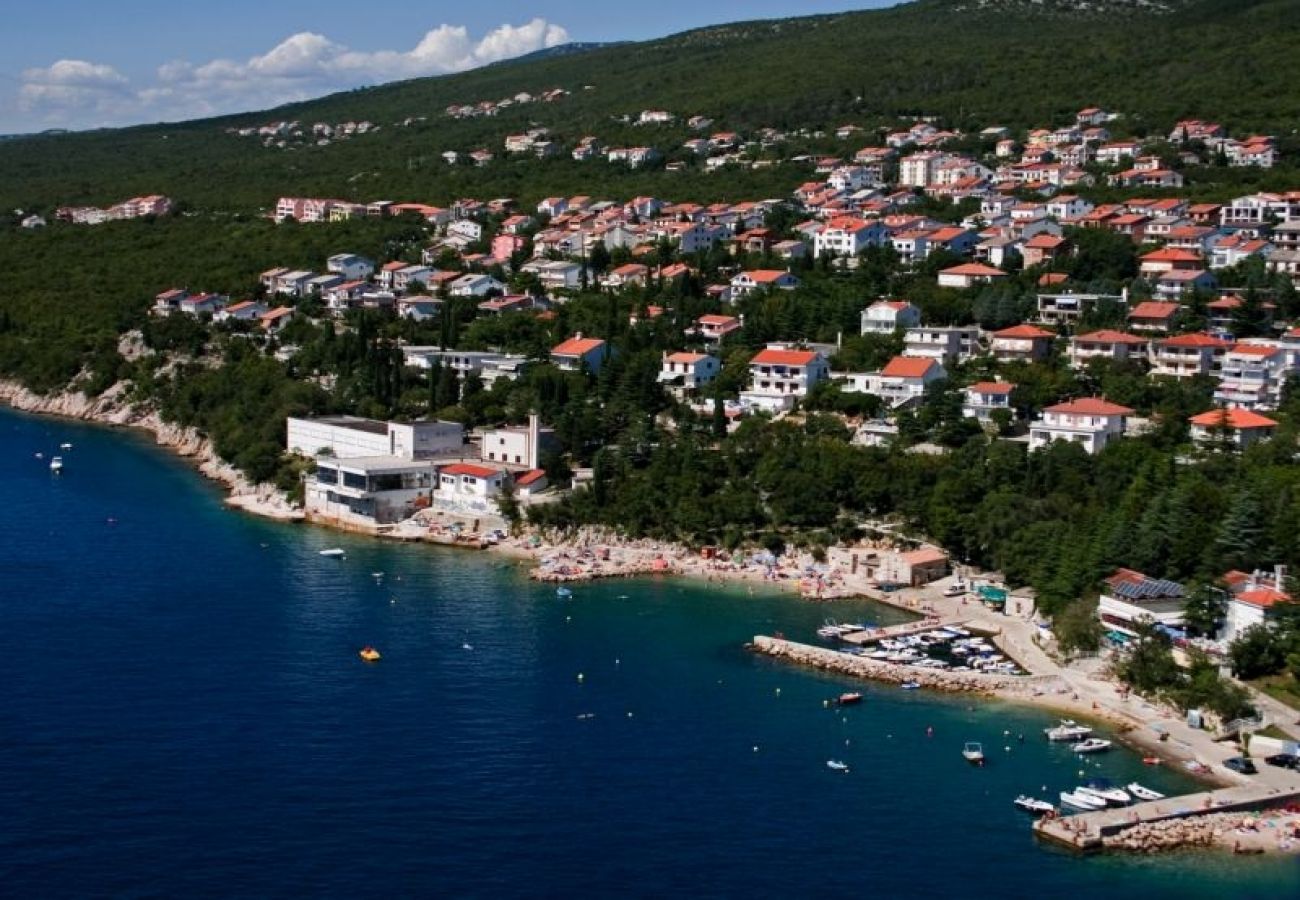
(114,409)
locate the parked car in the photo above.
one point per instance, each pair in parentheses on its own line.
(1283,760)
(1240,764)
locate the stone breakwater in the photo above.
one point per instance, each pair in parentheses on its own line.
(893,673)
(1171,834)
(114,408)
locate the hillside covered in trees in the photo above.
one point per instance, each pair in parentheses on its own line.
(969,64)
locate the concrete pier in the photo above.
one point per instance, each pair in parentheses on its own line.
(1090,832)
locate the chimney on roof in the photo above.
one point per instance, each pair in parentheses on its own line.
(534,438)
(1279,577)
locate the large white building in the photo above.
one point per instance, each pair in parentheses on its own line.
(346,437)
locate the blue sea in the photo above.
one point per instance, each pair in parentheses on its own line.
(184,714)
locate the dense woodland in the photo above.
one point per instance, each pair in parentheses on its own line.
(1228,60)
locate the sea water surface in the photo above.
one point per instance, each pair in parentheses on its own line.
(184,713)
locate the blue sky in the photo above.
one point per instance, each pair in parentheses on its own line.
(87,63)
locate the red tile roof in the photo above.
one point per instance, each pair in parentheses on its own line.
(973,269)
(685,357)
(1090,406)
(773,357)
(1023,331)
(1109,336)
(471,470)
(1153,309)
(1234,417)
(1263,597)
(576,346)
(908,367)
(992,387)
(529,477)
(1197,339)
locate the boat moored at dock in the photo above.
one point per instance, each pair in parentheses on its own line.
(1033,805)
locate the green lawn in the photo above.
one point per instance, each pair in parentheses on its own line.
(1280,687)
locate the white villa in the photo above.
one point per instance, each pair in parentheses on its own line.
(1091,423)
(778,376)
(887,316)
(685,373)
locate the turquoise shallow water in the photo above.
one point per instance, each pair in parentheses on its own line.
(184,713)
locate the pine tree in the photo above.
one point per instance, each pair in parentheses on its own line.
(1240,533)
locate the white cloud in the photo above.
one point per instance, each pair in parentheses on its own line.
(75,85)
(77,93)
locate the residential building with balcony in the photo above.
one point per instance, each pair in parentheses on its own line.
(948,344)
(1092,423)
(1187,355)
(780,375)
(1117,346)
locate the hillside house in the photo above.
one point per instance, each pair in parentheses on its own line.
(888,316)
(746,283)
(1154,316)
(1187,355)
(579,353)
(902,381)
(968,275)
(685,373)
(1252,375)
(983,398)
(779,376)
(947,344)
(1233,425)
(1025,343)
(1092,423)
(1116,346)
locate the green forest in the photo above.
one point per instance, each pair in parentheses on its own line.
(1228,60)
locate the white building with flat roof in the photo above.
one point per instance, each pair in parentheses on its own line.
(350,437)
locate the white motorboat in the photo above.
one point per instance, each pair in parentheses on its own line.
(1109,796)
(563,593)
(1144,793)
(973,752)
(56,464)
(837,765)
(65,446)
(334,552)
(1087,804)
(1033,805)
(1068,730)
(1091,745)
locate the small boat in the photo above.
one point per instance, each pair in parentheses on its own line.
(837,765)
(1151,760)
(370,654)
(910,685)
(973,752)
(1091,745)
(65,446)
(1144,793)
(563,593)
(1103,790)
(56,464)
(1087,804)
(1068,730)
(39,455)
(334,552)
(1033,805)
(849,698)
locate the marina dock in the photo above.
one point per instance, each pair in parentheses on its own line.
(1091,832)
(871,636)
